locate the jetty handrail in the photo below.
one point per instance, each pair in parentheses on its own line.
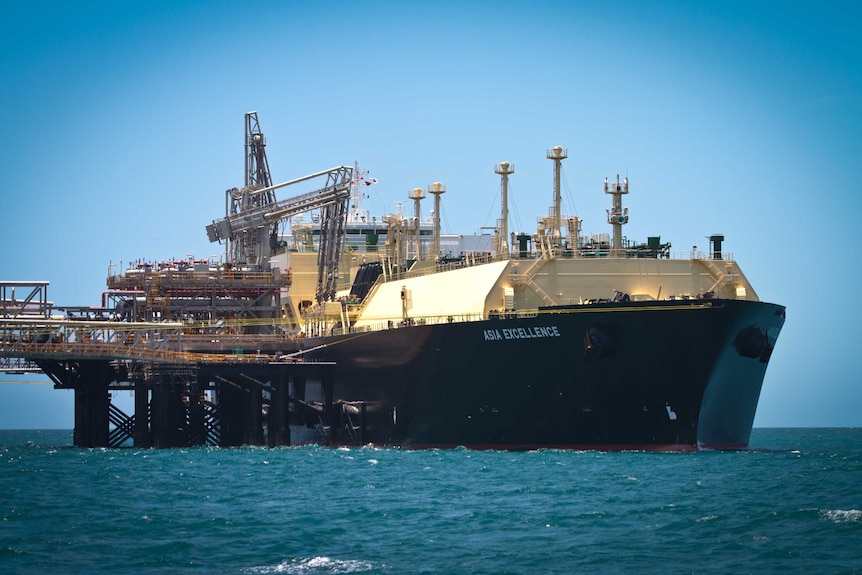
(174,277)
(119,351)
(143,341)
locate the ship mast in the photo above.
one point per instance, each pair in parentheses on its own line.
(557,154)
(436,188)
(504,169)
(357,186)
(417,195)
(617,216)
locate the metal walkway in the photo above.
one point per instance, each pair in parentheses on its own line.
(60,339)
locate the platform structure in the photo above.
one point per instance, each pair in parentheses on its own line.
(236,380)
(202,344)
(184,291)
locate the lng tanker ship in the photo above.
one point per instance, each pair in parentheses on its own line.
(549,339)
(347,328)
(594,345)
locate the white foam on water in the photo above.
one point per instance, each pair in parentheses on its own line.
(313,565)
(841,515)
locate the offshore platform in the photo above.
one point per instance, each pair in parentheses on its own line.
(203,345)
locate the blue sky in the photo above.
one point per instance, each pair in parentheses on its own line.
(122,125)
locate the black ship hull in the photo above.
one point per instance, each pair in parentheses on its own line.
(669,375)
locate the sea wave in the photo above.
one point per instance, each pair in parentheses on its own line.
(314,565)
(841,515)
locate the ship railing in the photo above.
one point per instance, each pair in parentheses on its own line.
(388,324)
(588,252)
(702,255)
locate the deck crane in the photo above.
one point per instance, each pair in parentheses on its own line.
(250,226)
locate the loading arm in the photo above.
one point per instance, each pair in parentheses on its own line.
(332,198)
(337,188)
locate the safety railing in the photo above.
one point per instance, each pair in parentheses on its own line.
(143,341)
(220,278)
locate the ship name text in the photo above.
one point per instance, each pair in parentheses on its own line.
(521,333)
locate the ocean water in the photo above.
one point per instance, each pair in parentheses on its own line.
(793,504)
